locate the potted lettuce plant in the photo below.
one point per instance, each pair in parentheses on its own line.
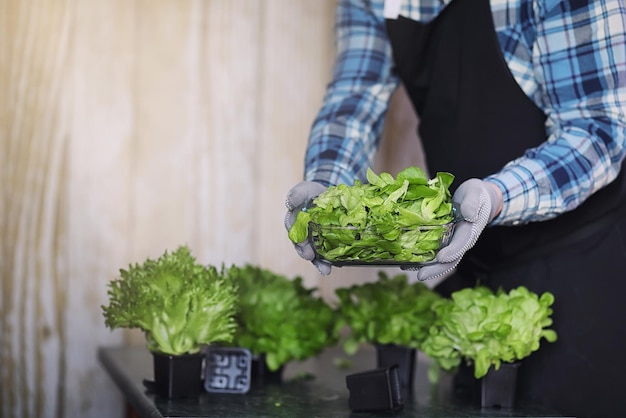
(180,306)
(279,320)
(489,332)
(391,314)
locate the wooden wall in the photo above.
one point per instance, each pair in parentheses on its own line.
(128,127)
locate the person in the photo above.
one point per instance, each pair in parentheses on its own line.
(523,101)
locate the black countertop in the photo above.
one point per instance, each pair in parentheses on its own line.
(313,388)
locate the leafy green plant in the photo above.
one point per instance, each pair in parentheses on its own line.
(486,328)
(179,304)
(383,216)
(280,318)
(387,311)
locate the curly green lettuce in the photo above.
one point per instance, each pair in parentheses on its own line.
(179,304)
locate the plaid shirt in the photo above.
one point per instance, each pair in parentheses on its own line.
(569,57)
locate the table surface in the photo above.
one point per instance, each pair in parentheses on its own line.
(312,388)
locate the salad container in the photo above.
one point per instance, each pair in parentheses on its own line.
(394,221)
(407,247)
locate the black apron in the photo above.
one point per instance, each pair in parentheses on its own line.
(473,118)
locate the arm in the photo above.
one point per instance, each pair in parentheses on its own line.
(579,58)
(346,132)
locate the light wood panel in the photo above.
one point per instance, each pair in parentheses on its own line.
(168,127)
(101,99)
(34,188)
(130,127)
(229,171)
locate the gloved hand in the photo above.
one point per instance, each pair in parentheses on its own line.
(300,195)
(479,202)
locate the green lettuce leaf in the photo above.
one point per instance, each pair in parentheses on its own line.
(279,317)
(179,304)
(387,311)
(487,328)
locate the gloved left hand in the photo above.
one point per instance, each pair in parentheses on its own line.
(479,202)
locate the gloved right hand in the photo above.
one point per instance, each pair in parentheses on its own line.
(299,196)
(479,202)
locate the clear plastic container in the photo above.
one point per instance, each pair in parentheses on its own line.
(408,247)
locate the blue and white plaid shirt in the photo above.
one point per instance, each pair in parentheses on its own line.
(569,57)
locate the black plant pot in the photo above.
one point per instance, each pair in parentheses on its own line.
(375,390)
(388,355)
(466,388)
(178,376)
(261,374)
(494,390)
(498,386)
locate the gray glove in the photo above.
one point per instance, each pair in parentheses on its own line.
(299,196)
(478,202)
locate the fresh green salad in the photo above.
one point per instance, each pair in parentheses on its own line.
(401,219)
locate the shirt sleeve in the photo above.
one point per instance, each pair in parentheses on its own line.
(579,56)
(345,134)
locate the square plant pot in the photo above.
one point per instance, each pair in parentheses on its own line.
(260,374)
(494,390)
(178,376)
(375,390)
(404,358)
(498,386)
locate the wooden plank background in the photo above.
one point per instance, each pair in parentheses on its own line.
(133,126)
